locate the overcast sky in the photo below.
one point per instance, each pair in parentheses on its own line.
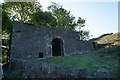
(101,15)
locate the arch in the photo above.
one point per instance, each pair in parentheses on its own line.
(57,47)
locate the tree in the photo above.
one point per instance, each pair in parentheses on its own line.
(0,21)
(6,23)
(6,29)
(64,19)
(45,18)
(80,23)
(21,11)
(84,35)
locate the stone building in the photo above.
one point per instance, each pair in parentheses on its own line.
(31,43)
(35,42)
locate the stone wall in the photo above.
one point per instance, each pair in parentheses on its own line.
(29,40)
(44,70)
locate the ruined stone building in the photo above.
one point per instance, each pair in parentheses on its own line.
(31,43)
(34,42)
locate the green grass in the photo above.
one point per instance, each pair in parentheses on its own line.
(98,59)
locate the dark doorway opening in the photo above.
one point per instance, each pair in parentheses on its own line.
(57,47)
(94,45)
(40,55)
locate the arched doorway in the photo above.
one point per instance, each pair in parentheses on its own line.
(57,47)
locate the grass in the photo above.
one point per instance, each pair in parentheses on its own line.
(104,58)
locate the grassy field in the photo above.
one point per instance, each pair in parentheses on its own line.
(98,59)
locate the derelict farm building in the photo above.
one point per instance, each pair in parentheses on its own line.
(34,42)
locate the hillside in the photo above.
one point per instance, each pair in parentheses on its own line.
(103,58)
(113,39)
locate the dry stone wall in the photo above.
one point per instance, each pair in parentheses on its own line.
(47,70)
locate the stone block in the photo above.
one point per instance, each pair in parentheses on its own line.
(102,73)
(51,68)
(82,73)
(71,72)
(45,68)
(90,77)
